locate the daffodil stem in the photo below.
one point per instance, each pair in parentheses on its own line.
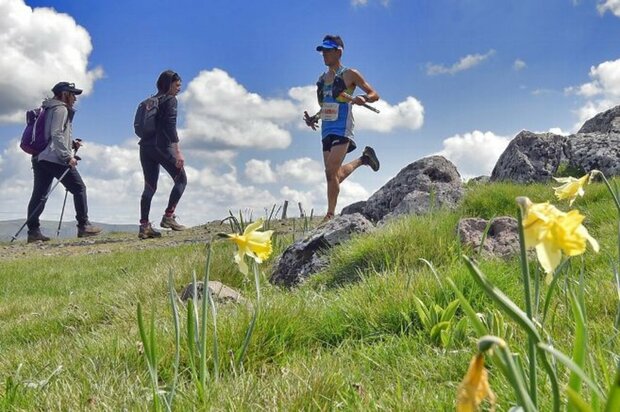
(613,193)
(250,330)
(525,273)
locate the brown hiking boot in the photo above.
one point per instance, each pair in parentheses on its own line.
(147,232)
(35,235)
(88,230)
(369,157)
(169,222)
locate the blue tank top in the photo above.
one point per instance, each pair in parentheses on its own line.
(336,113)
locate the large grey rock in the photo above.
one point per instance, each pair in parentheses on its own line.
(435,175)
(599,151)
(605,122)
(531,157)
(357,207)
(419,203)
(307,256)
(502,239)
(536,157)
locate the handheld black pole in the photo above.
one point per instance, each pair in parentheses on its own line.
(64,202)
(41,203)
(62,212)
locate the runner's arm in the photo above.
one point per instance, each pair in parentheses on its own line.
(355,78)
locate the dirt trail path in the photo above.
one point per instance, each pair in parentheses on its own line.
(115,242)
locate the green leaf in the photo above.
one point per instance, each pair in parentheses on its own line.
(566,361)
(422,311)
(613,401)
(577,402)
(450,310)
(579,348)
(438,328)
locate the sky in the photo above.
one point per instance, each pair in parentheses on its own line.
(459,78)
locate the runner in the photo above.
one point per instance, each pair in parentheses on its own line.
(337,118)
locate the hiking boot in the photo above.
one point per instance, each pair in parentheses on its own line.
(369,158)
(88,230)
(35,235)
(147,232)
(169,222)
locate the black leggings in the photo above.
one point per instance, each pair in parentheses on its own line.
(151,157)
(44,174)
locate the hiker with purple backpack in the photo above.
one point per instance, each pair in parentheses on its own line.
(57,160)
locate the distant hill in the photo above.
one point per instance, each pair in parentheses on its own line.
(8,228)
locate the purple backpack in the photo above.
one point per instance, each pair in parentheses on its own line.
(34,140)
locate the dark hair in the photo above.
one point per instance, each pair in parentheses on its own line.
(165,80)
(335,39)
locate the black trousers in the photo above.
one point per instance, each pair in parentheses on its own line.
(151,157)
(44,174)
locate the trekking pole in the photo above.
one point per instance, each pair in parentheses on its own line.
(64,202)
(41,203)
(62,212)
(347,96)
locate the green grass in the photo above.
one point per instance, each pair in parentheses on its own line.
(348,339)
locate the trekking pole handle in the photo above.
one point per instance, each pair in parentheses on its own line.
(366,105)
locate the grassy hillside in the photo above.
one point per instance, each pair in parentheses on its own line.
(350,339)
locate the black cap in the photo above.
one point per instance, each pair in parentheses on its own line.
(331,42)
(65,87)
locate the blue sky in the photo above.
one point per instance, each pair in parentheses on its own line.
(459,78)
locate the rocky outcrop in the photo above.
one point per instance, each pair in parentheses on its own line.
(502,239)
(605,122)
(422,185)
(594,151)
(530,157)
(536,157)
(357,207)
(307,256)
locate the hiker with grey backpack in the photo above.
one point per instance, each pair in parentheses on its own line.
(57,160)
(155,123)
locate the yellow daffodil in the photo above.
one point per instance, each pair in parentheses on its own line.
(252,243)
(571,187)
(553,233)
(475,387)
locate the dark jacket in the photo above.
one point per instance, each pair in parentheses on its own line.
(166,132)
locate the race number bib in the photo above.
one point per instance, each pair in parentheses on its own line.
(329,112)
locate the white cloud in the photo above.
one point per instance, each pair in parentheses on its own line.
(361,3)
(601,93)
(40,47)
(304,170)
(114,182)
(465,63)
(558,130)
(519,65)
(315,199)
(474,153)
(259,171)
(609,5)
(220,113)
(408,114)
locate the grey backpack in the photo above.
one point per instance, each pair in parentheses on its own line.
(145,121)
